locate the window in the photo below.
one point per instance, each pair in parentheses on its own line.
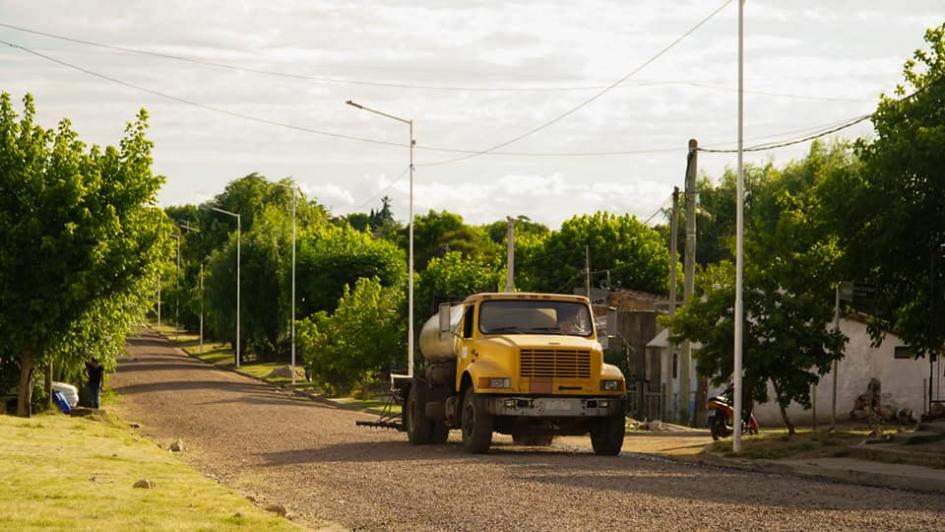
(468,322)
(525,316)
(903,351)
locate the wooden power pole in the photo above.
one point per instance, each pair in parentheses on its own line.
(673,260)
(587,271)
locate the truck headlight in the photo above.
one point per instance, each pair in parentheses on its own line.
(495,382)
(611,386)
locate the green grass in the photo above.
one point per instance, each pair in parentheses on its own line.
(365,404)
(221,354)
(776,444)
(77,473)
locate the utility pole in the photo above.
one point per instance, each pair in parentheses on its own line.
(673,260)
(201,308)
(510,274)
(177,295)
(587,271)
(836,364)
(689,283)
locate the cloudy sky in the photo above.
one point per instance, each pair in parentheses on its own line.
(471,74)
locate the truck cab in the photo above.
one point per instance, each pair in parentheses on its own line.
(524,364)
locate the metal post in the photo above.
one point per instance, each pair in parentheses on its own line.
(293,284)
(836,363)
(740,236)
(410,335)
(510,241)
(239,230)
(410,278)
(201,308)
(177,296)
(159,301)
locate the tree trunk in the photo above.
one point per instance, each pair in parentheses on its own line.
(784,414)
(48,384)
(27,367)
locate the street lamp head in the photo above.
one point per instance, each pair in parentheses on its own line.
(354,104)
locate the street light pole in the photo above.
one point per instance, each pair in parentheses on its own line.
(239,230)
(740,237)
(410,335)
(294,201)
(177,290)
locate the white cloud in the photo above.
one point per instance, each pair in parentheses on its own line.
(843,48)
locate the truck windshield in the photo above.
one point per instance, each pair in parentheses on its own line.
(535,317)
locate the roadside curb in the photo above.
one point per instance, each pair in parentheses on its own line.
(843,470)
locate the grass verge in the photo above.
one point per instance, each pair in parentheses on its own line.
(75,473)
(220,354)
(776,444)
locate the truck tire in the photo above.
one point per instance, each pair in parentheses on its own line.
(419,428)
(607,435)
(533,440)
(477,425)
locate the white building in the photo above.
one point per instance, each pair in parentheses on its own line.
(904,379)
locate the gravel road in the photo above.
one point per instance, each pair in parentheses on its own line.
(311,458)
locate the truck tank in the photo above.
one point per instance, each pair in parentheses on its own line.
(436,346)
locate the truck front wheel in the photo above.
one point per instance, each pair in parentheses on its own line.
(477,425)
(607,435)
(419,428)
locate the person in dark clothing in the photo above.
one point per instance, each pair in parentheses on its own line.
(95,373)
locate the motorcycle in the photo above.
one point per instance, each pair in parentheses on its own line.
(722,416)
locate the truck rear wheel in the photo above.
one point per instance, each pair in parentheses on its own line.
(440,432)
(477,425)
(419,428)
(607,435)
(533,440)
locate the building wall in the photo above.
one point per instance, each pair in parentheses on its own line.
(903,380)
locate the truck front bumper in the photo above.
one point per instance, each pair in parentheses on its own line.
(554,406)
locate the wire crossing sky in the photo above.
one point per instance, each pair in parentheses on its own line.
(233,89)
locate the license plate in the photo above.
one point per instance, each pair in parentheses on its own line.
(559,405)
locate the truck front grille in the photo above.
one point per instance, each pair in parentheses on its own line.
(555,363)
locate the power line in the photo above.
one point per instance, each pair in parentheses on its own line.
(383,190)
(401,85)
(593,98)
(198,104)
(469,153)
(849,123)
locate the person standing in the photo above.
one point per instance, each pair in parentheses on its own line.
(95,373)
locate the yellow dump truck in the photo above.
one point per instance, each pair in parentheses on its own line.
(523,364)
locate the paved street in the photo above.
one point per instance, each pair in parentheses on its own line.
(312,458)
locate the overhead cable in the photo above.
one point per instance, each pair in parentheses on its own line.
(593,98)
(403,85)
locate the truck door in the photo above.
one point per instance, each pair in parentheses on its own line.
(466,343)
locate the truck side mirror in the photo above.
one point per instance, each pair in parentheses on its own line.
(444,310)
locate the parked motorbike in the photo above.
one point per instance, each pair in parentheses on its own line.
(722,415)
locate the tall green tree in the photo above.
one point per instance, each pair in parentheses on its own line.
(79,234)
(451,278)
(330,260)
(791,266)
(889,209)
(438,233)
(634,254)
(363,336)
